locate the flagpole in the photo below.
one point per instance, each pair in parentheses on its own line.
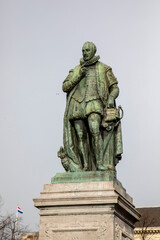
(16,224)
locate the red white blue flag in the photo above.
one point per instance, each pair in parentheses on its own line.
(19,210)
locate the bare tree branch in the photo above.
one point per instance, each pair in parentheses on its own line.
(147,220)
(8,229)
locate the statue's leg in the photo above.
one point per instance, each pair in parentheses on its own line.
(81,132)
(94,121)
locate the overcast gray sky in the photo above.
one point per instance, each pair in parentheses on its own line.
(40,41)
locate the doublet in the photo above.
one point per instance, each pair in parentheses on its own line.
(87,88)
(89,94)
(85,99)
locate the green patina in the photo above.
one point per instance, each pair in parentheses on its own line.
(92,129)
(89,176)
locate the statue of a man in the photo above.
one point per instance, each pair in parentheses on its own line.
(92,139)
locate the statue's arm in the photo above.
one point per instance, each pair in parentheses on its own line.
(71,80)
(113,88)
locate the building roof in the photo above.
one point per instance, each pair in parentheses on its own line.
(150,217)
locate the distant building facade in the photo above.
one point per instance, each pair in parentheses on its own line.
(29,236)
(148,228)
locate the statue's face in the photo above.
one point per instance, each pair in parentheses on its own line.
(87,52)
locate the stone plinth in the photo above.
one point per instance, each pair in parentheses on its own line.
(89,176)
(98,210)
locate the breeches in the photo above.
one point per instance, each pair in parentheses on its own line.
(82,110)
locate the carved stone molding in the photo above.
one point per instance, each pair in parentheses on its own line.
(77,230)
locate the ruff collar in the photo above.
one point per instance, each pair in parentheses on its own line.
(89,62)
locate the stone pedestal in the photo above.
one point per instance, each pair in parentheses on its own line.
(98,210)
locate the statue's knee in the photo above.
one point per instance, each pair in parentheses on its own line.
(95,133)
(94,129)
(80,129)
(80,135)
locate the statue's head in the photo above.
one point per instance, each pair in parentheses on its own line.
(88,50)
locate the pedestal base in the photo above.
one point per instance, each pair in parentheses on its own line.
(86,211)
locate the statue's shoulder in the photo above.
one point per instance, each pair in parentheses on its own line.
(105,66)
(75,69)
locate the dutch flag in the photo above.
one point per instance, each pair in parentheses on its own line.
(19,210)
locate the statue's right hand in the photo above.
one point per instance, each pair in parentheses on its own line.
(83,71)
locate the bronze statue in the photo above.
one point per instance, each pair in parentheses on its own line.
(92,130)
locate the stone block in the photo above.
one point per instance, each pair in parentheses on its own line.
(96,210)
